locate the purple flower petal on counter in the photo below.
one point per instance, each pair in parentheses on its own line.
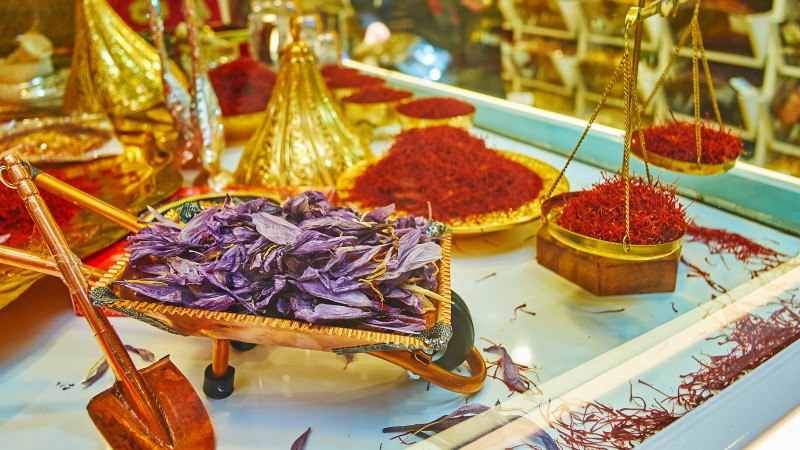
(101,367)
(143,353)
(300,442)
(276,229)
(511,376)
(441,423)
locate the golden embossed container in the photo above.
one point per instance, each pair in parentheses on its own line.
(304,139)
(433,111)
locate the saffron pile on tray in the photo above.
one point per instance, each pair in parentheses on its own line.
(677,140)
(243,86)
(435,108)
(304,260)
(450,169)
(377,94)
(656,217)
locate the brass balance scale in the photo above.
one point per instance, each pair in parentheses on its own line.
(621,268)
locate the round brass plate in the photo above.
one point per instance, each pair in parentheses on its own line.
(482,223)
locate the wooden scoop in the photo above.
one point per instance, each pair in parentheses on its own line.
(156,407)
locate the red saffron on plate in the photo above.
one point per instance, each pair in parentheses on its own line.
(332,70)
(676,140)
(656,217)
(435,108)
(16,222)
(449,168)
(377,94)
(243,86)
(346,79)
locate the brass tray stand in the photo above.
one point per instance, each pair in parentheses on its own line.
(413,353)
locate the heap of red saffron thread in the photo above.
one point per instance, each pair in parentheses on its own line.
(656,217)
(747,343)
(377,94)
(449,168)
(435,108)
(720,241)
(242,86)
(677,140)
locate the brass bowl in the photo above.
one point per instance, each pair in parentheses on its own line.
(476,224)
(687,167)
(376,115)
(242,126)
(552,209)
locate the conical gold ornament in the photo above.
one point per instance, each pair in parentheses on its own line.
(304,139)
(114,70)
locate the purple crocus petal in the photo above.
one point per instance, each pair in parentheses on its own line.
(379,215)
(441,423)
(183,271)
(407,298)
(202,224)
(324,313)
(213,302)
(263,204)
(276,229)
(145,354)
(511,375)
(314,242)
(414,258)
(159,289)
(350,298)
(300,442)
(98,373)
(396,325)
(161,219)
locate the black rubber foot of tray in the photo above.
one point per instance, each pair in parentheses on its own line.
(242,346)
(221,387)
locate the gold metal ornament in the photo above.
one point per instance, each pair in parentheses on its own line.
(114,70)
(304,139)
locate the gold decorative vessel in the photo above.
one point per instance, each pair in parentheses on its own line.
(114,70)
(304,139)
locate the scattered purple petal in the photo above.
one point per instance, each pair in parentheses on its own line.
(300,442)
(512,372)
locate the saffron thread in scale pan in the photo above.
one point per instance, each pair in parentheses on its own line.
(656,217)
(677,140)
(450,169)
